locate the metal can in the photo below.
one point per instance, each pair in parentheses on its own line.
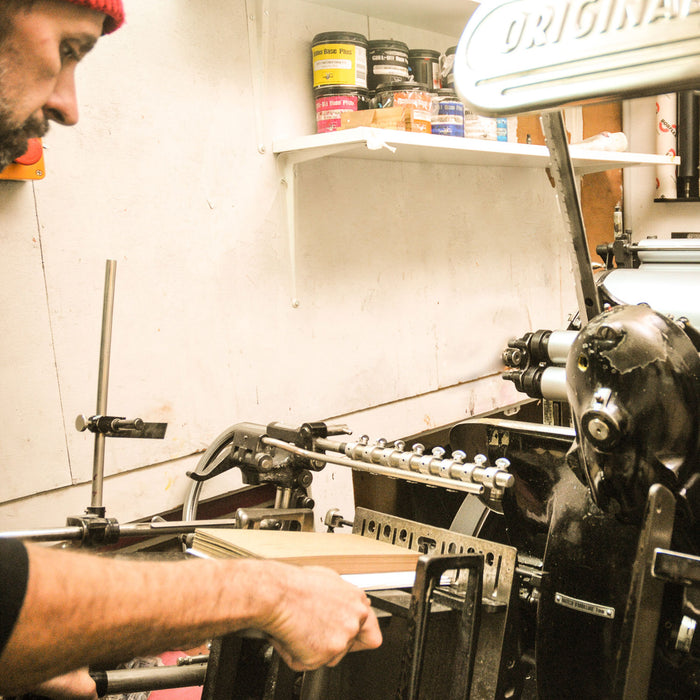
(415,96)
(448,114)
(425,67)
(447,68)
(339,59)
(332,102)
(387,62)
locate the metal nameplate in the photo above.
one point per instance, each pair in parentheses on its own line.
(584,606)
(529,55)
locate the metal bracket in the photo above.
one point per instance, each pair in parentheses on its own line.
(494,662)
(429,571)
(121,427)
(275,519)
(641,621)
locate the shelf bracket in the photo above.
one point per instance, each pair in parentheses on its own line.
(287,162)
(563,173)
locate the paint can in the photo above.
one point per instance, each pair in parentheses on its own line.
(387,62)
(448,114)
(339,59)
(425,67)
(415,96)
(332,102)
(447,68)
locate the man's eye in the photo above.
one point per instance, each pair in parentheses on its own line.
(68,53)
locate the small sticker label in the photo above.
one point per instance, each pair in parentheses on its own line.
(584,606)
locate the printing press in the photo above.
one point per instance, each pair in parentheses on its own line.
(573,567)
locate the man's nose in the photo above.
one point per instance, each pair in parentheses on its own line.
(62,105)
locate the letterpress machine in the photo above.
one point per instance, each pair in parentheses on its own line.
(587,547)
(578,573)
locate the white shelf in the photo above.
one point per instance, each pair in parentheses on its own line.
(384,144)
(449,17)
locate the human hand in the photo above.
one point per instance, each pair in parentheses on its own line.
(76,685)
(317,617)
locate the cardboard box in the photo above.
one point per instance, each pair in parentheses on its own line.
(399,118)
(388,118)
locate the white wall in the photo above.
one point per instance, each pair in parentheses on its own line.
(411,277)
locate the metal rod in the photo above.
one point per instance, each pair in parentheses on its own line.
(75,532)
(98,463)
(55,534)
(563,174)
(416,477)
(141,679)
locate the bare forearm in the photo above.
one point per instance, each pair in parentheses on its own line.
(81,610)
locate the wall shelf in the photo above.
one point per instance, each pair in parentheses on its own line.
(402,146)
(449,18)
(398,146)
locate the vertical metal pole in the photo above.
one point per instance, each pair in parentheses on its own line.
(563,174)
(98,463)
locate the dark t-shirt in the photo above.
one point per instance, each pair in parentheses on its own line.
(14,571)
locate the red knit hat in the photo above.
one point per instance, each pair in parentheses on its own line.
(112,8)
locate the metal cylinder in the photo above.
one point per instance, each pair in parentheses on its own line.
(142,679)
(688,144)
(98,463)
(559,344)
(553,384)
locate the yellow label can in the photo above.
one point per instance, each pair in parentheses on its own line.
(339,59)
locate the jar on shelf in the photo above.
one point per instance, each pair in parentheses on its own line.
(416,97)
(448,114)
(425,67)
(332,102)
(339,59)
(387,62)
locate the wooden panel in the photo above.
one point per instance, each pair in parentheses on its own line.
(344,553)
(600,192)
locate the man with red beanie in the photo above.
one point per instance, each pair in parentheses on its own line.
(42,43)
(61,611)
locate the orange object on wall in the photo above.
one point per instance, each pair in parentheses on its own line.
(29,166)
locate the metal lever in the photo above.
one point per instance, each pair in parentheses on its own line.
(563,174)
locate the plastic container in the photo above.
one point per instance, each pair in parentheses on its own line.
(387,62)
(416,96)
(339,59)
(447,68)
(448,114)
(332,102)
(425,67)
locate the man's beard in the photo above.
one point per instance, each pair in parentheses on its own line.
(14,139)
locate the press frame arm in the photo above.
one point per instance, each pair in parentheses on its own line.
(563,173)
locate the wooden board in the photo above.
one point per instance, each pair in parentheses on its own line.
(345,553)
